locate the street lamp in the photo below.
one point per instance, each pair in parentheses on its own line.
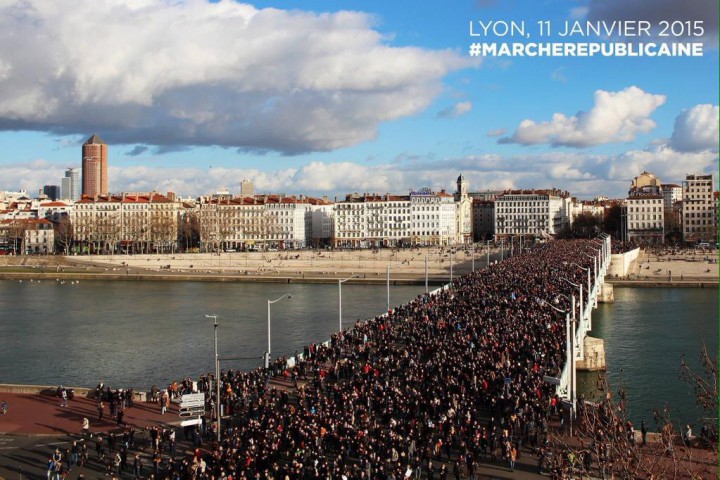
(388,284)
(595,263)
(570,355)
(217,374)
(340,282)
(270,302)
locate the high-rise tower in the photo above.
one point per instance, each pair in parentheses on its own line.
(70,184)
(94,167)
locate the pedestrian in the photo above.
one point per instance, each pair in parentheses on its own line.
(137,466)
(164,401)
(643,432)
(63,397)
(120,416)
(50,468)
(512,458)
(85,427)
(101,410)
(4,407)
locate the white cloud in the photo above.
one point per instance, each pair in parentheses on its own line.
(615,117)
(696,129)
(582,174)
(457,110)
(155,72)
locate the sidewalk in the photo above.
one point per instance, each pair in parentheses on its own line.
(34,414)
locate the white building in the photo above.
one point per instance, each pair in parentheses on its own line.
(464,211)
(645,218)
(699,211)
(54,211)
(262,221)
(421,218)
(671,194)
(70,185)
(536,213)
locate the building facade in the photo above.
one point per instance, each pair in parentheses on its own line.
(70,185)
(645,218)
(52,192)
(536,213)
(699,212)
(137,223)
(262,222)
(423,217)
(94,167)
(483,219)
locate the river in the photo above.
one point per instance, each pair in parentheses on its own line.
(646,333)
(135,334)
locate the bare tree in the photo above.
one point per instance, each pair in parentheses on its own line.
(605,442)
(64,234)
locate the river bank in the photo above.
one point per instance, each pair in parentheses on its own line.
(407,267)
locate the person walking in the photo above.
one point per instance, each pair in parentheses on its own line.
(63,397)
(85,427)
(643,432)
(101,410)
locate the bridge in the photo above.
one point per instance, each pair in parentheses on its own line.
(579,319)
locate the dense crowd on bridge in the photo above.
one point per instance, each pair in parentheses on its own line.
(452,379)
(437,387)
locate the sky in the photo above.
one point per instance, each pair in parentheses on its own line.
(331,97)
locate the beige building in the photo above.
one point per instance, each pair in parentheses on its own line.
(131,222)
(262,222)
(536,213)
(699,209)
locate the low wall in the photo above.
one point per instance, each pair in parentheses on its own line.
(51,391)
(620,263)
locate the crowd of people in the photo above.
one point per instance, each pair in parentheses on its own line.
(433,389)
(436,388)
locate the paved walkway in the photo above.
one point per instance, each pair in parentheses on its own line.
(35,414)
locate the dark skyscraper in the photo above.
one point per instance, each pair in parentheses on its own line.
(52,191)
(94,167)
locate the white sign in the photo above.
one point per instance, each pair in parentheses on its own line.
(190,397)
(193,403)
(191,421)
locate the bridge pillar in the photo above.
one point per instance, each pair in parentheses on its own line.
(594,355)
(606,294)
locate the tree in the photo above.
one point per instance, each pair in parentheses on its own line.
(605,441)
(64,234)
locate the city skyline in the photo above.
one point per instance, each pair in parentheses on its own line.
(372,98)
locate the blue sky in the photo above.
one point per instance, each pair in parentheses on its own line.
(321,97)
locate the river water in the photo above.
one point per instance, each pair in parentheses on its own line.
(135,334)
(646,333)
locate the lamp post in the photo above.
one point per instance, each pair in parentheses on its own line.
(473,256)
(451,264)
(340,282)
(569,344)
(217,375)
(595,263)
(269,351)
(388,284)
(426,273)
